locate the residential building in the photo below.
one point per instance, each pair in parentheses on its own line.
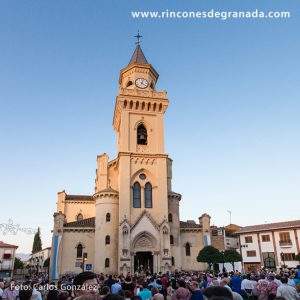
(7,260)
(272,245)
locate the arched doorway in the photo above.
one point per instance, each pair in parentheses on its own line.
(143,246)
(143,261)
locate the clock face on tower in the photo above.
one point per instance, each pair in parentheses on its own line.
(141,83)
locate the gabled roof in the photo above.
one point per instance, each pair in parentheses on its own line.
(148,215)
(270,226)
(138,56)
(4,245)
(89,222)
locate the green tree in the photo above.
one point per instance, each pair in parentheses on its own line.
(209,255)
(18,264)
(47,263)
(37,242)
(232,256)
(297,257)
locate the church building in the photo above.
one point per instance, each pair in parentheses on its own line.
(131,222)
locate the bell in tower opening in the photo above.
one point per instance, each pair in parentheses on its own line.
(141,135)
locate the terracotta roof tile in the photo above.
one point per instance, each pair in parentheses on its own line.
(4,245)
(189,224)
(89,222)
(79,197)
(269,226)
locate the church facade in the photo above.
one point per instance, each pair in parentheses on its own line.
(132,221)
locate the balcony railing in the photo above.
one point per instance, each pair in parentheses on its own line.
(285,243)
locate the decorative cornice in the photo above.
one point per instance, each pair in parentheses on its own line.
(144,94)
(107,192)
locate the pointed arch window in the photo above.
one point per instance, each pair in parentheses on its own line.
(171,239)
(79,217)
(170,217)
(107,217)
(79,250)
(187,249)
(106,262)
(148,195)
(142,135)
(107,240)
(136,195)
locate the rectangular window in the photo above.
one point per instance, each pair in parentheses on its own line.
(285,238)
(248,239)
(251,253)
(265,238)
(287,256)
(6,256)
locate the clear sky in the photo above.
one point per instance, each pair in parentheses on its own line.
(232,127)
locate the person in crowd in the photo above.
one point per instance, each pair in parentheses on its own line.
(25,292)
(144,293)
(182,293)
(85,283)
(235,282)
(104,291)
(109,281)
(248,285)
(1,289)
(217,293)
(286,291)
(116,288)
(196,292)
(156,295)
(262,287)
(272,287)
(10,293)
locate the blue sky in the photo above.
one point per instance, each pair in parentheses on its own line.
(232,126)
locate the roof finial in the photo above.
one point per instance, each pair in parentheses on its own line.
(138,38)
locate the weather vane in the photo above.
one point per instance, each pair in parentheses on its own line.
(138,38)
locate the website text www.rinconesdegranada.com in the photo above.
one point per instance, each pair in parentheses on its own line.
(211,14)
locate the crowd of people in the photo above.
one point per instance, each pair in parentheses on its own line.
(263,285)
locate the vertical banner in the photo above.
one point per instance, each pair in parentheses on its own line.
(54,261)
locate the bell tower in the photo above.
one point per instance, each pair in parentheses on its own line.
(139,107)
(143,166)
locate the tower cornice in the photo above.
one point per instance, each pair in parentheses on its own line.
(141,68)
(139,101)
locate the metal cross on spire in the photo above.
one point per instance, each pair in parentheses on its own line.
(138,38)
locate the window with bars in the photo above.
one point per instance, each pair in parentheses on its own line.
(284,238)
(287,256)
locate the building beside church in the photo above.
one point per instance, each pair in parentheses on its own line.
(131,221)
(271,245)
(7,260)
